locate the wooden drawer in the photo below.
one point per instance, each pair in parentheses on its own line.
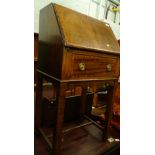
(87,65)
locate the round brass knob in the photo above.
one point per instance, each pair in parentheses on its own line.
(108,45)
(82,66)
(107,84)
(109,67)
(104,86)
(88,89)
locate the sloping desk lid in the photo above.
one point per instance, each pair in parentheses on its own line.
(85,32)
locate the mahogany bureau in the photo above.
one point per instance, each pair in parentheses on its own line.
(74,50)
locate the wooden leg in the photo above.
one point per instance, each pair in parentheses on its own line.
(38,103)
(57,135)
(108,114)
(95,98)
(83,103)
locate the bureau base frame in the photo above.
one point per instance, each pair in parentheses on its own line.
(60,88)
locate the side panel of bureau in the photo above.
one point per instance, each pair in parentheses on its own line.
(50,43)
(89,65)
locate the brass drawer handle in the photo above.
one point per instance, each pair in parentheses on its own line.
(109,67)
(82,66)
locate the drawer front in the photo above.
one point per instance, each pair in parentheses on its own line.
(80,65)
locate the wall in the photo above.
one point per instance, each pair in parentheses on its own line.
(93,8)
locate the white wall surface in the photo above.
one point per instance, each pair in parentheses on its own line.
(93,8)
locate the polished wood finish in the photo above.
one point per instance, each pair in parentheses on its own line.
(50,43)
(37,111)
(36,46)
(60,118)
(74,50)
(95,65)
(35,71)
(36,36)
(82,31)
(56,39)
